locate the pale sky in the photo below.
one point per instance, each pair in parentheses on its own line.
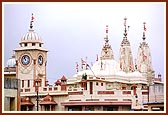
(71,31)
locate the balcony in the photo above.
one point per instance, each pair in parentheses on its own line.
(11,83)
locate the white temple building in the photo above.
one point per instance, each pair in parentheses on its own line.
(107,85)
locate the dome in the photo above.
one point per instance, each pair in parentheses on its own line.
(11,62)
(48,98)
(57,82)
(31,36)
(105,67)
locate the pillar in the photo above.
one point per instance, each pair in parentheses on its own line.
(101,108)
(149,108)
(83,108)
(27,108)
(120,108)
(41,108)
(50,107)
(66,108)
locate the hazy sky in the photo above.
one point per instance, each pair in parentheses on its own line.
(71,31)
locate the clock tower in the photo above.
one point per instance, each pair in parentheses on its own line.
(31,59)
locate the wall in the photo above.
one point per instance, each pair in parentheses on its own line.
(10,93)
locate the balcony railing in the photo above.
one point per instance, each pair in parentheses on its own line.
(11,83)
(156,98)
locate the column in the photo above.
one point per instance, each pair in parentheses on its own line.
(149,108)
(101,108)
(120,108)
(83,108)
(27,108)
(41,108)
(66,108)
(50,107)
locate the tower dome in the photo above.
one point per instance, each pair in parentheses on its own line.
(11,62)
(31,36)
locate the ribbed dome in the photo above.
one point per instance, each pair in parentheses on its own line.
(31,36)
(11,62)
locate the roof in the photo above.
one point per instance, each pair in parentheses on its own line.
(124,85)
(83,80)
(26,101)
(134,85)
(30,48)
(10,69)
(57,82)
(151,103)
(48,100)
(97,103)
(63,78)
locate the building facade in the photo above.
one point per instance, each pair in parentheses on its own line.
(107,85)
(11,87)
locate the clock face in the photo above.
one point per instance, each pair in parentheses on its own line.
(25,59)
(40,60)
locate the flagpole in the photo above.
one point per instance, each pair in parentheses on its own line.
(90,69)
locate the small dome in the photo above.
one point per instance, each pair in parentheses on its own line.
(57,82)
(25,99)
(63,78)
(11,62)
(48,98)
(31,36)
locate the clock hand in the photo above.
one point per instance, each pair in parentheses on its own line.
(25,59)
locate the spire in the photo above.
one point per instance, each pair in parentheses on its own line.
(77,67)
(125,41)
(13,55)
(125,54)
(107,31)
(125,31)
(107,52)
(144,32)
(144,59)
(31,22)
(106,38)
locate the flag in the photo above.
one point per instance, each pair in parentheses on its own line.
(144,28)
(106,28)
(83,62)
(125,22)
(97,57)
(145,57)
(101,64)
(91,64)
(77,66)
(131,66)
(32,18)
